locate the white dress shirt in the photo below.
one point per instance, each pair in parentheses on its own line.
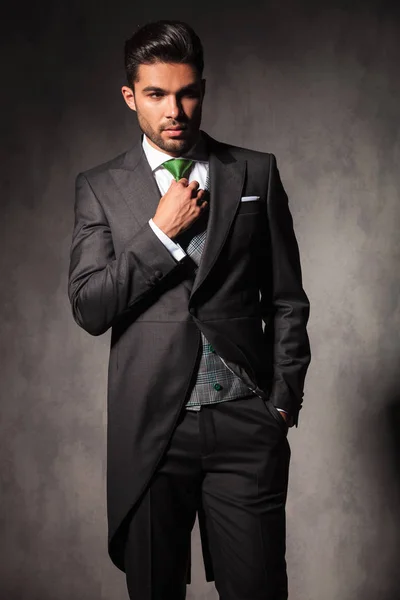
(164,178)
(199,172)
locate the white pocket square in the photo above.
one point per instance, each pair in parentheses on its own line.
(249,198)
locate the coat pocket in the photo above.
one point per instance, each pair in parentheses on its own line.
(249,198)
(250,205)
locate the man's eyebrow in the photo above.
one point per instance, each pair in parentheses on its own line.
(153,88)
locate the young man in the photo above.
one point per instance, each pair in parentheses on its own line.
(185,247)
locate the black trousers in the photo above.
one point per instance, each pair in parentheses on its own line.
(235,456)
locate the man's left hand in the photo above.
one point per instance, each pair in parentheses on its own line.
(284,415)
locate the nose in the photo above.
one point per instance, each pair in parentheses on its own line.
(174,108)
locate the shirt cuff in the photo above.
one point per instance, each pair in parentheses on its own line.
(175,249)
(281,410)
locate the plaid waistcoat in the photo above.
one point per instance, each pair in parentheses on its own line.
(215,382)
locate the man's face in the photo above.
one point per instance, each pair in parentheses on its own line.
(168,95)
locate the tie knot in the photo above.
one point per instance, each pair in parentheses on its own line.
(178,167)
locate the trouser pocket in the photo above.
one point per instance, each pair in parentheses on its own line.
(277,416)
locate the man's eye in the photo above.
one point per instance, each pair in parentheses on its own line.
(155,94)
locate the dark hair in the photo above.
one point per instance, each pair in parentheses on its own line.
(162,41)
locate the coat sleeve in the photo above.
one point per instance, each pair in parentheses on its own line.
(284,303)
(100,286)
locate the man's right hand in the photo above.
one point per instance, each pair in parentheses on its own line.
(179,207)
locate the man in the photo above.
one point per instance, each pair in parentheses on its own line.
(185,247)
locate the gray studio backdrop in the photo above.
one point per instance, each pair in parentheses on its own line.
(318,85)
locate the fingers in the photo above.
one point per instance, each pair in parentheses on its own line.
(199,199)
(193,185)
(183,181)
(200,202)
(194,190)
(196,193)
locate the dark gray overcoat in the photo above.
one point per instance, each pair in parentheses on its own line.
(247,298)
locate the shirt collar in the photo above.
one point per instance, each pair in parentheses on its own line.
(156,158)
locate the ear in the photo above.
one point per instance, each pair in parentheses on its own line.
(129,97)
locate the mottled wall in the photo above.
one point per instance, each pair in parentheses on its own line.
(317,83)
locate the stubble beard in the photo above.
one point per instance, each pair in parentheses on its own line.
(171,145)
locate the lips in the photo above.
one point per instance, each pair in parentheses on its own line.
(176,132)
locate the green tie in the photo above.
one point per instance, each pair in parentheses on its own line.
(178,166)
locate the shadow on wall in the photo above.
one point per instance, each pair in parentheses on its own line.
(392,414)
(380,448)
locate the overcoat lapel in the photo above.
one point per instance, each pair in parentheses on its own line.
(137,184)
(226,182)
(139,189)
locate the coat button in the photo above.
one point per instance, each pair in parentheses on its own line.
(192,311)
(217,386)
(158,274)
